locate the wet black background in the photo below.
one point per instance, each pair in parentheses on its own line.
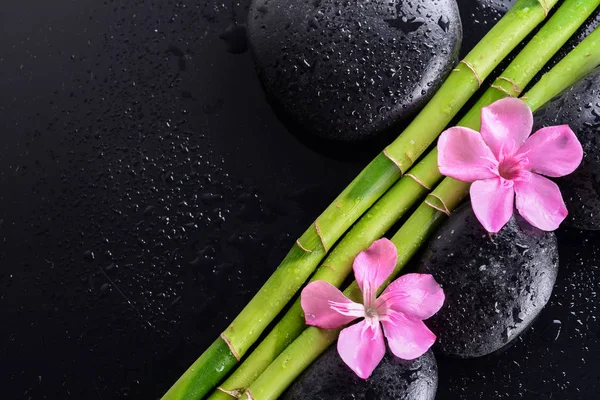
(147,190)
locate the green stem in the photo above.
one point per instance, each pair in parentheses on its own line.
(361,194)
(313,341)
(577,64)
(466,79)
(542,47)
(448,194)
(394,203)
(336,267)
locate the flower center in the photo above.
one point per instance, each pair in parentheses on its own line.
(513,168)
(371,312)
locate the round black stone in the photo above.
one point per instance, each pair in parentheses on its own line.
(495,284)
(349,69)
(579,107)
(328,378)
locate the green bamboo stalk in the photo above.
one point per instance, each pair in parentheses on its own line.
(567,19)
(542,47)
(336,267)
(364,190)
(313,341)
(449,193)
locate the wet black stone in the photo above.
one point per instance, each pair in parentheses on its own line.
(89,255)
(149,210)
(347,70)
(580,108)
(557,357)
(329,378)
(495,285)
(235,37)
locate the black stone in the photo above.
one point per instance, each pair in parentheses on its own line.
(347,70)
(495,285)
(579,107)
(235,37)
(328,378)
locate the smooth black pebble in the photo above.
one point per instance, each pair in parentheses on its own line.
(328,378)
(495,284)
(236,39)
(345,69)
(579,107)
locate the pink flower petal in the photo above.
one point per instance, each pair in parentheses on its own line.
(492,201)
(373,266)
(505,124)
(326,307)
(407,338)
(463,155)
(362,347)
(417,295)
(539,201)
(553,151)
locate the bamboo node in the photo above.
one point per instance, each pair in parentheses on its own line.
(302,247)
(230,345)
(516,87)
(320,235)
(472,68)
(389,157)
(545,6)
(235,393)
(420,182)
(330,267)
(500,88)
(436,207)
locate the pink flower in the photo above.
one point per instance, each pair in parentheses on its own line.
(502,161)
(401,309)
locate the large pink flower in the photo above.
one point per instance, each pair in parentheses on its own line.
(502,161)
(401,309)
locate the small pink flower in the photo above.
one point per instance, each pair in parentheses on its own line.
(502,161)
(401,309)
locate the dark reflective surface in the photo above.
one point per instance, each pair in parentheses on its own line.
(147,190)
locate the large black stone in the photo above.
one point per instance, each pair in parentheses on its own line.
(579,107)
(348,69)
(495,285)
(328,378)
